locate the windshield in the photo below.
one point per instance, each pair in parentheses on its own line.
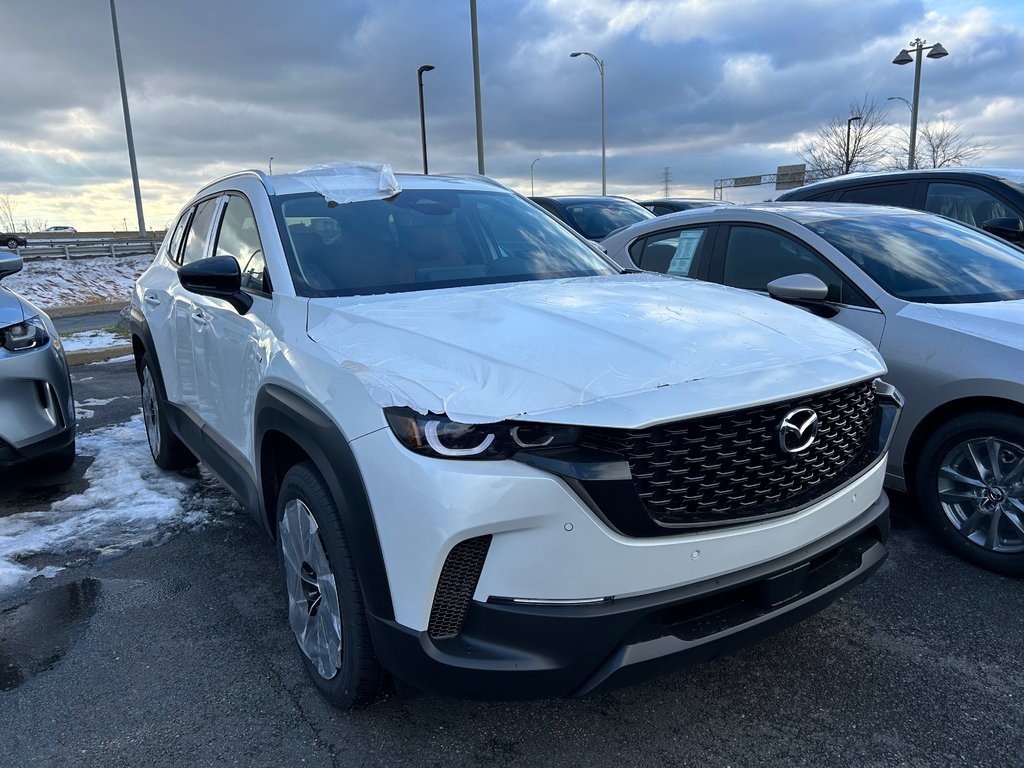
(423,239)
(928,259)
(595,220)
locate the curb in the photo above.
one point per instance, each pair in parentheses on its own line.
(82,356)
(84,309)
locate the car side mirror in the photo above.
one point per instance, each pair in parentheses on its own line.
(1009,229)
(804,290)
(218,277)
(9,264)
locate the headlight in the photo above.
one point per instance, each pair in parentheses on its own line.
(27,335)
(440,437)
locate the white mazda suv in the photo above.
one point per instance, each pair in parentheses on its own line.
(495,463)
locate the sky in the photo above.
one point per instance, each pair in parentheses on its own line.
(709,89)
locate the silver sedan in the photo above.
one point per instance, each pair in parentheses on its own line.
(944,304)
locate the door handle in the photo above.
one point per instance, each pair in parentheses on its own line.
(199,317)
(152,299)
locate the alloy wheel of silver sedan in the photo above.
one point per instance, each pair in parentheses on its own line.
(314,612)
(981,492)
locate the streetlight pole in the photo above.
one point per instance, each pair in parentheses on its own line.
(423,119)
(127,123)
(600,68)
(531,176)
(848,161)
(910,107)
(270,166)
(476,90)
(935,51)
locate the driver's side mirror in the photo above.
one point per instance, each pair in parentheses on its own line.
(219,277)
(1009,229)
(9,264)
(804,290)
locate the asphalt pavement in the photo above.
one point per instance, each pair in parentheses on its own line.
(180,654)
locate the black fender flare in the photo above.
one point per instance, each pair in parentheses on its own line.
(283,410)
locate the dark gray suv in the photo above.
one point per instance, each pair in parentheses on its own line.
(989,198)
(37,411)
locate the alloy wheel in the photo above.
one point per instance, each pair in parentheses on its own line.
(981,491)
(314,613)
(151,411)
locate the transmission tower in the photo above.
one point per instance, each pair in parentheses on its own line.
(666,177)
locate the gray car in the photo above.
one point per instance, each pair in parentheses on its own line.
(37,410)
(944,304)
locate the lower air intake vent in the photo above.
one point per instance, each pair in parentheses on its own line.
(456,586)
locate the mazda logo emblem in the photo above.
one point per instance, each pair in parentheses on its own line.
(798,430)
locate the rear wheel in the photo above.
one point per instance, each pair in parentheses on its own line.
(325,603)
(970,484)
(167,450)
(12,243)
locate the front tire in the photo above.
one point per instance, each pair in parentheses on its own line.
(12,243)
(167,450)
(970,485)
(325,602)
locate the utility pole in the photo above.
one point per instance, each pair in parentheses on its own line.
(128,123)
(666,178)
(476,91)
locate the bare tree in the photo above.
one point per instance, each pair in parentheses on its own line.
(943,144)
(7,222)
(830,154)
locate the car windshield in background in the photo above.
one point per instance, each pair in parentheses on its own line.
(424,239)
(598,219)
(928,260)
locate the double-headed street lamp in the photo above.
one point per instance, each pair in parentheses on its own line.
(935,51)
(531,176)
(847,160)
(423,119)
(600,68)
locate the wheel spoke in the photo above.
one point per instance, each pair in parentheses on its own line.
(972,523)
(994,446)
(1014,516)
(957,497)
(1014,474)
(956,476)
(992,535)
(979,465)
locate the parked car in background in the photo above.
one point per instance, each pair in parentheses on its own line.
(37,410)
(990,198)
(594,217)
(13,241)
(943,302)
(495,465)
(60,229)
(676,204)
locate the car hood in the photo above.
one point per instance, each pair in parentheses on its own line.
(1001,322)
(12,309)
(618,350)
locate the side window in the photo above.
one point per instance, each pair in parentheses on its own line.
(661,210)
(195,241)
(900,194)
(755,256)
(821,196)
(173,249)
(968,204)
(672,252)
(239,238)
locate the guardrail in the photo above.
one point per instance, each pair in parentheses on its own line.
(82,248)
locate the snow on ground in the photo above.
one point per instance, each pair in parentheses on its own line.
(129,502)
(96,280)
(91,340)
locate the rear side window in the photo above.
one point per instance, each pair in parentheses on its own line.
(239,238)
(965,203)
(900,194)
(672,253)
(174,248)
(199,231)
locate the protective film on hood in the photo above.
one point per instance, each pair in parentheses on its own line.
(491,353)
(350,181)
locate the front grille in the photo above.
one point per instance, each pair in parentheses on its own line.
(729,467)
(456,585)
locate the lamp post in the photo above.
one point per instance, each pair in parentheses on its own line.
(531,176)
(600,68)
(270,166)
(910,107)
(127,123)
(423,119)
(935,51)
(847,160)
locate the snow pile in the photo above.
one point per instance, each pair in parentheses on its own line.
(97,280)
(91,340)
(129,502)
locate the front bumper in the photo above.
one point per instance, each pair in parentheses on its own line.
(513,651)
(37,410)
